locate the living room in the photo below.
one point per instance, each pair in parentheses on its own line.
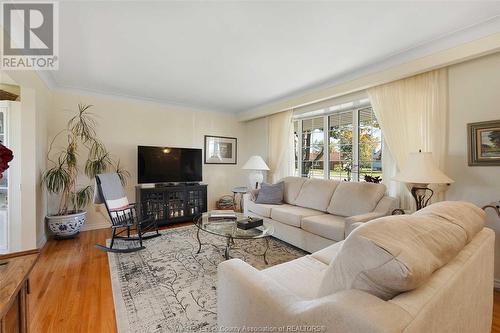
(219,132)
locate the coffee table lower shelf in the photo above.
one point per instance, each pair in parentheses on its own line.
(230,243)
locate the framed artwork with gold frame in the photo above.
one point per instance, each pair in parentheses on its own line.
(484,143)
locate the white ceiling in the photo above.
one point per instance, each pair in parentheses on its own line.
(235,56)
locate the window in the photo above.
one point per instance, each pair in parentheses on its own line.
(341,143)
(296,151)
(313,147)
(353,140)
(370,144)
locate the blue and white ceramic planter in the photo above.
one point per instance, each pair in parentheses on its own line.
(66,226)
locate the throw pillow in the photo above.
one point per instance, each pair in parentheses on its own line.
(271,194)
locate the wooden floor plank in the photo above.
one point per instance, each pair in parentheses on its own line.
(71,288)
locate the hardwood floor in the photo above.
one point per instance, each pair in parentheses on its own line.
(71,288)
(495,327)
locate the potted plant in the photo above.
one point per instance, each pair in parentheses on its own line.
(62,176)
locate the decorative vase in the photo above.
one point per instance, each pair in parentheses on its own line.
(66,226)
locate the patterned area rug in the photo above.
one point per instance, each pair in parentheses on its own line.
(167,287)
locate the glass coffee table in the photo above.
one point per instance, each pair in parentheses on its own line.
(228,229)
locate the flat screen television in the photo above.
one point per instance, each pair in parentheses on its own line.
(168,165)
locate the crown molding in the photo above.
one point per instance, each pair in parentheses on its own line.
(472,42)
(135,99)
(51,83)
(47,79)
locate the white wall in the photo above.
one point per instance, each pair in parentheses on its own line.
(14,198)
(123,124)
(36,100)
(474,95)
(256,140)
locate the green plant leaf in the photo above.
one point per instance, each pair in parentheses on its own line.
(122,173)
(56,179)
(94,167)
(83,124)
(71,154)
(81,198)
(96,150)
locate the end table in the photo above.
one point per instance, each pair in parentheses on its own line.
(241,191)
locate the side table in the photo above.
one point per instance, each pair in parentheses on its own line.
(241,191)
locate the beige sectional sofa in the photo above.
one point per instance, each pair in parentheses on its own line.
(430,272)
(317,213)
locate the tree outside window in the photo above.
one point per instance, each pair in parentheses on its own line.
(343,135)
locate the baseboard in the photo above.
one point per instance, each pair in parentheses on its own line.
(496,284)
(94,226)
(41,241)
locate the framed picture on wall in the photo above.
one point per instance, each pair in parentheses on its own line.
(484,143)
(220,150)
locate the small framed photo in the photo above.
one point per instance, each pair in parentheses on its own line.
(484,143)
(220,150)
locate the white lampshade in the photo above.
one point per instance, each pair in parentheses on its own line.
(421,169)
(255,163)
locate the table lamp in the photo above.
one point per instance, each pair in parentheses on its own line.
(418,172)
(257,165)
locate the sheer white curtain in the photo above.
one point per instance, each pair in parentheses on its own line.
(280,143)
(412,113)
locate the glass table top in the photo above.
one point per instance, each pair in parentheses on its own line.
(228,228)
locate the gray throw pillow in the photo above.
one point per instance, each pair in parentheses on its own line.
(271,194)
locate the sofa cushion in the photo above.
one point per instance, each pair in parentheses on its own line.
(328,226)
(329,253)
(271,194)
(394,254)
(301,276)
(355,198)
(316,193)
(292,188)
(262,210)
(292,215)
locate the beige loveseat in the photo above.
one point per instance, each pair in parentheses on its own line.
(430,272)
(317,212)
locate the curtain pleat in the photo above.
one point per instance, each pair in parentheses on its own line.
(280,143)
(412,114)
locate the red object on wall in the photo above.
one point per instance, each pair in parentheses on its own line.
(5,157)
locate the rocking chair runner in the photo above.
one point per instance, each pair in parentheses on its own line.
(124,215)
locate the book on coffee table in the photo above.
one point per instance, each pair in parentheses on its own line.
(222,214)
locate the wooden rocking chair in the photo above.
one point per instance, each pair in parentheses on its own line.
(124,215)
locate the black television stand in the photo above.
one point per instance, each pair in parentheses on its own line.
(172,203)
(159,185)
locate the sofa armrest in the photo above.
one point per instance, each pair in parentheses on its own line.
(248,298)
(386,205)
(365,217)
(352,222)
(245,296)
